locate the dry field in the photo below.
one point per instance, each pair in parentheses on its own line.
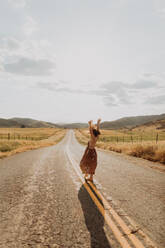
(148,145)
(15,140)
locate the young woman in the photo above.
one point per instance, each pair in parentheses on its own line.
(88,162)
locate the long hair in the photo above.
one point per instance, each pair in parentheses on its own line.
(96,132)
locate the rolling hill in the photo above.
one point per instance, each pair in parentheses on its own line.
(131,122)
(8,123)
(125,122)
(25,122)
(158,125)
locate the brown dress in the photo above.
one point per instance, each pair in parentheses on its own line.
(88,162)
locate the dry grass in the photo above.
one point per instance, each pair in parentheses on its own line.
(37,137)
(147,149)
(27,133)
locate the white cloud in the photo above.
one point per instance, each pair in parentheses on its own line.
(18,3)
(116,93)
(26,57)
(114,86)
(117,89)
(56,87)
(47,85)
(161,12)
(156,100)
(9,43)
(144,84)
(11,48)
(110,101)
(30,26)
(157,80)
(30,67)
(1,67)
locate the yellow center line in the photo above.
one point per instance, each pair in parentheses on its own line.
(122,224)
(119,236)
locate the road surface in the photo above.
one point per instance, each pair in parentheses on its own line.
(44,201)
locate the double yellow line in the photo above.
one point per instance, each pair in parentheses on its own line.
(107,211)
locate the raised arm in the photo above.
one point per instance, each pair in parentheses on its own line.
(98,124)
(90,126)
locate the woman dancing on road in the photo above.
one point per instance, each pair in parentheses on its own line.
(88,162)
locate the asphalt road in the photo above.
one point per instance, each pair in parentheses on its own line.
(43,202)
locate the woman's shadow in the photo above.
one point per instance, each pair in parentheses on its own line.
(93,219)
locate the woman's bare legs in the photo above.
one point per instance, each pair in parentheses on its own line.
(88,178)
(86,175)
(91,177)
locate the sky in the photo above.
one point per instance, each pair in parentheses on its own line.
(77,60)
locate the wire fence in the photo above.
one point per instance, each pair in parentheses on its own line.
(134,138)
(9,136)
(153,137)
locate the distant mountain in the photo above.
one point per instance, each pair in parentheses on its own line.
(25,122)
(131,122)
(74,125)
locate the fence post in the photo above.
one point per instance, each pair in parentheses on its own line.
(132,139)
(157,138)
(8,136)
(123,139)
(117,139)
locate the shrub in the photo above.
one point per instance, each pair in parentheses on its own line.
(142,151)
(8,146)
(5,148)
(160,156)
